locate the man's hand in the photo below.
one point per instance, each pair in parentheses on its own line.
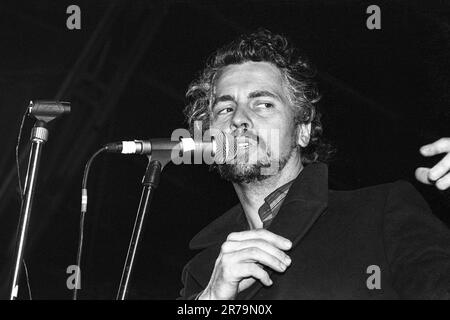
(439,175)
(241,260)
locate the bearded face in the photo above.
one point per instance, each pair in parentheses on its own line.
(251,105)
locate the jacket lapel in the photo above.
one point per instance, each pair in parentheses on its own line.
(305,202)
(211,238)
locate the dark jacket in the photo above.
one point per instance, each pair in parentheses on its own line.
(336,236)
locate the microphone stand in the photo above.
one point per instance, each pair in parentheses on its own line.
(44,112)
(150,182)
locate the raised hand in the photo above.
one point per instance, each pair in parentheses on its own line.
(439,175)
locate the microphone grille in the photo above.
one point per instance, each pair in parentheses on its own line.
(225,148)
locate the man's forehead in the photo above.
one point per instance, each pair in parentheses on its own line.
(249,76)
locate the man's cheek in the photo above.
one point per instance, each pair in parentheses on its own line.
(273,151)
(218,125)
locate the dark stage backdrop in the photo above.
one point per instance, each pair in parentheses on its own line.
(385,93)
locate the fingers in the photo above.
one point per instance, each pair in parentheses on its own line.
(251,270)
(255,271)
(230,246)
(422,175)
(440,169)
(279,241)
(444,182)
(438,175)
(440,146)
(260,246)
(247,263)
(254,254)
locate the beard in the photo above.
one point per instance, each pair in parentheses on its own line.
(245,172)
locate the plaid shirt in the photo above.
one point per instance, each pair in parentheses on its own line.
(272,204)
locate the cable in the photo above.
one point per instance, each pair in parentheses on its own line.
(84,199)
(17,152)
(19,179)
(28,280)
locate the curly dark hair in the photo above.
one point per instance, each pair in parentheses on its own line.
(296,70)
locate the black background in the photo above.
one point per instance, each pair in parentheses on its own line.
(385,93)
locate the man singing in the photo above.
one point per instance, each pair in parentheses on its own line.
(290,237)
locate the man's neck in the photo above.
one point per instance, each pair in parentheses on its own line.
(252,195)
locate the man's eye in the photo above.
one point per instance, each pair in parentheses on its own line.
(265,105)
(224,110)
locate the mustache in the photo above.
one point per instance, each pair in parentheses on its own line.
(248,135)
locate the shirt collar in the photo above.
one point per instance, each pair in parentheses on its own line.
(272,203)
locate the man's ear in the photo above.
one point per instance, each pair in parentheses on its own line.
(303,134)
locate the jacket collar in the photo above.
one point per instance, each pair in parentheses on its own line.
(306,200)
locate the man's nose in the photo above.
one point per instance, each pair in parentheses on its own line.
(241,118)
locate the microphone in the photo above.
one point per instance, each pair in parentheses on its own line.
(46,110)
(222,147)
